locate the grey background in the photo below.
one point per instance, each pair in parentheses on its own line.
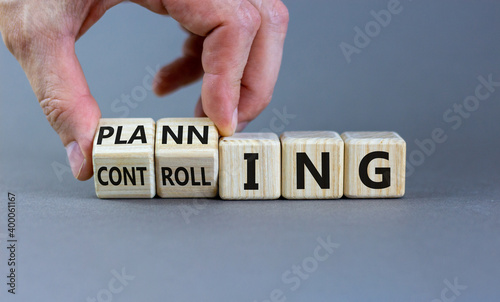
(447,226)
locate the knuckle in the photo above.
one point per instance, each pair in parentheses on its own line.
(7,41)
(55,111)
(279,16)
(31,29)
(25,40)
(249,19)
(17,43)
(15,29)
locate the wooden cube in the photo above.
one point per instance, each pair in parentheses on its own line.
(374,164)
(123,158)
(312,165)
(250,166)
(187,157)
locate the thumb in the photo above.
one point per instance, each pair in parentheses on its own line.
(60,86)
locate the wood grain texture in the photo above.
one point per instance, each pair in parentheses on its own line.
(123,158)
(187,158)
(320,148)
(235,169)
(358,146)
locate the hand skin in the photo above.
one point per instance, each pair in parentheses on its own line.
(235,45)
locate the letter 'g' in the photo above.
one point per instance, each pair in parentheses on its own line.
(386,172)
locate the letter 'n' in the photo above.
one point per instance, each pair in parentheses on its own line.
(323,179)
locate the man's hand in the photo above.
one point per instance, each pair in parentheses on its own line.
(236,45)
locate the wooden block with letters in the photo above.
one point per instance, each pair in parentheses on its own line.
(312,165)
(374,164)
(123,158)
(250,166)
(187,158)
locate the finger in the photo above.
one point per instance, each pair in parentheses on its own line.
(198,112)
(224,59)
(261,72)
(183,71)
(230,30)
(60,86)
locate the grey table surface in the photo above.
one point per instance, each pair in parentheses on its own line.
(441,241)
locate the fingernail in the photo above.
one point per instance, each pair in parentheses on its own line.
(234,124)
(76,158)
(241,126)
